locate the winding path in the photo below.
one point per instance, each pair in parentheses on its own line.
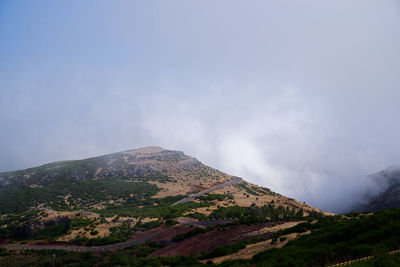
(117,246)
(236,180)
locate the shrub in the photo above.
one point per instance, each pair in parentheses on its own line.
(94,232)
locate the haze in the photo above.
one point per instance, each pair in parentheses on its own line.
(298,96)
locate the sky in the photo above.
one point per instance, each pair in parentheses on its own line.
(298,96)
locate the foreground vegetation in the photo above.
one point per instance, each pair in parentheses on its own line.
(133,256)
(255,214)
(333,239)
(79,194)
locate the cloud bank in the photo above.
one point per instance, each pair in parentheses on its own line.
(298,97)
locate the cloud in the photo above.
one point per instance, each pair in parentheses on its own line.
(284,141)
(299,97)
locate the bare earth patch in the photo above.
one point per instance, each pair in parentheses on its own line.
(275,228)
(252,249)
(211,239)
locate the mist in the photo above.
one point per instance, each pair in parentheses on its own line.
(297,96)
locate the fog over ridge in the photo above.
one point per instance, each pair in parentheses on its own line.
(301,97)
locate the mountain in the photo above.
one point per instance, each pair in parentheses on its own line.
(157,207)
(148,184)
(140,173)
(388,183)
(136,196)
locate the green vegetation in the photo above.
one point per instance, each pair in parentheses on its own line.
(153,208)
(254,190)
(147,225)
(334,239)
(219,197)
(136,255)
(140,205)
(26,226)
(82,194)
(170,222)
(247,189)
(253,214)
(155,177)
(118,234)
(77,223)
(196,215)
(44,258)
(51,232)
(75,185)
(94,232)
(300,228)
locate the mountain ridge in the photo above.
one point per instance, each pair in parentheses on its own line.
(155,204)
(388,184)
(108,199)
(178,173)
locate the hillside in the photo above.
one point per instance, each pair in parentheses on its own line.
(106,197)
(389,181)
(131,197)
(143,173)
(157,207)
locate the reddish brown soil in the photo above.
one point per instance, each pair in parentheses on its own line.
(166,235)
(210,240)
(198,188)
(149,232)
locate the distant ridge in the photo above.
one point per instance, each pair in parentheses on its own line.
(388,183)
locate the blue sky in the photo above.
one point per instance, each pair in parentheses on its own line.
(299,96)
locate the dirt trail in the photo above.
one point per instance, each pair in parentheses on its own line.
(236,180)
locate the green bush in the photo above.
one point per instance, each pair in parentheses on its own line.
(52,232)
(211,197)
(254,213)
(94,232)
(170,222)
